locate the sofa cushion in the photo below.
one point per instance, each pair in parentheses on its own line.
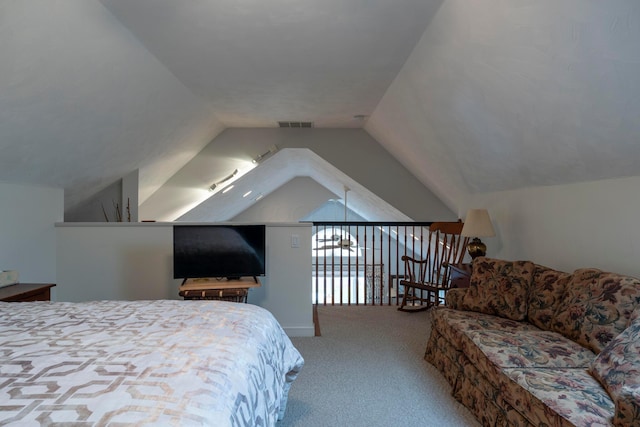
(617,367)
(545,294)
(499,287)
(596,307)
(532,349)
(454,325)
(566,396)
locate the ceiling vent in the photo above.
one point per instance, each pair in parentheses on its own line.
(295,124)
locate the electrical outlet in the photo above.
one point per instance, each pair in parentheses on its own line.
(295,241)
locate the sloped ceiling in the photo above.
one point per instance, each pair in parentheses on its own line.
(83,103)
(469,96)
(504,95)
(92,91)
(278,170)
(258,62)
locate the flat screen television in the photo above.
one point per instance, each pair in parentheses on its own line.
(220,251)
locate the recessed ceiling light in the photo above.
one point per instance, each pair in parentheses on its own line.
(247,193)
(228,188)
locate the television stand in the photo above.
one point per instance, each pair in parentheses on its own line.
(218,289)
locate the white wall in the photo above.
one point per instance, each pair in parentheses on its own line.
(590,224)
(118,199)
(111,261)
(95,207)
(286,288)
(133,261)
(27,233)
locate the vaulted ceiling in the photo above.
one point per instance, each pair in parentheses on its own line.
(280,169)
(469,96)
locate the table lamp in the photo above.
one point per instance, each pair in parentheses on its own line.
(477,224)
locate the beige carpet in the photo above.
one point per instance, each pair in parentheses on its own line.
(367,369)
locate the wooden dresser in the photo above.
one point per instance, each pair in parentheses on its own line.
(23,292)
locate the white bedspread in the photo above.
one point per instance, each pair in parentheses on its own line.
(143,362)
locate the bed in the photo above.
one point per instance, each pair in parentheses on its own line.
(164,362)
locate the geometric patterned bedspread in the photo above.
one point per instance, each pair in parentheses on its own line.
(165,362)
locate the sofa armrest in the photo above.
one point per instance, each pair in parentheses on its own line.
(617,368)
(454,296)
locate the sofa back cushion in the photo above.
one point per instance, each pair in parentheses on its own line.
(499,287)
(547,290)
(596,307)
(617,368)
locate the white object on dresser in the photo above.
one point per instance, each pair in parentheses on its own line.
(8,277)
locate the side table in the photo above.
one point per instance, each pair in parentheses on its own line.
(24,292)
(213,289)
(460,275)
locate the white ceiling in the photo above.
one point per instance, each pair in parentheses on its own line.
(501,95)
(258,62)
(469,96)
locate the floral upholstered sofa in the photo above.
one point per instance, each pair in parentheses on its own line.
(528,345)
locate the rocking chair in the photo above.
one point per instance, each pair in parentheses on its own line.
(427,280)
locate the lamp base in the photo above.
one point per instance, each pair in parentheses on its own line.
(476,248)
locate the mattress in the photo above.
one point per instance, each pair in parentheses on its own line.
(165,362)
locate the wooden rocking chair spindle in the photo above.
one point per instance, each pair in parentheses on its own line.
(427,280)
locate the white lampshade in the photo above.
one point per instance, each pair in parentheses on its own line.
(478,224)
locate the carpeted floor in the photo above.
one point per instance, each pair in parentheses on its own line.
(367,369)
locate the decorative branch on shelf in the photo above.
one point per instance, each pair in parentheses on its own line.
(118,212)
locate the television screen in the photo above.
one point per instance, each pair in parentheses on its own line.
(230,251)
